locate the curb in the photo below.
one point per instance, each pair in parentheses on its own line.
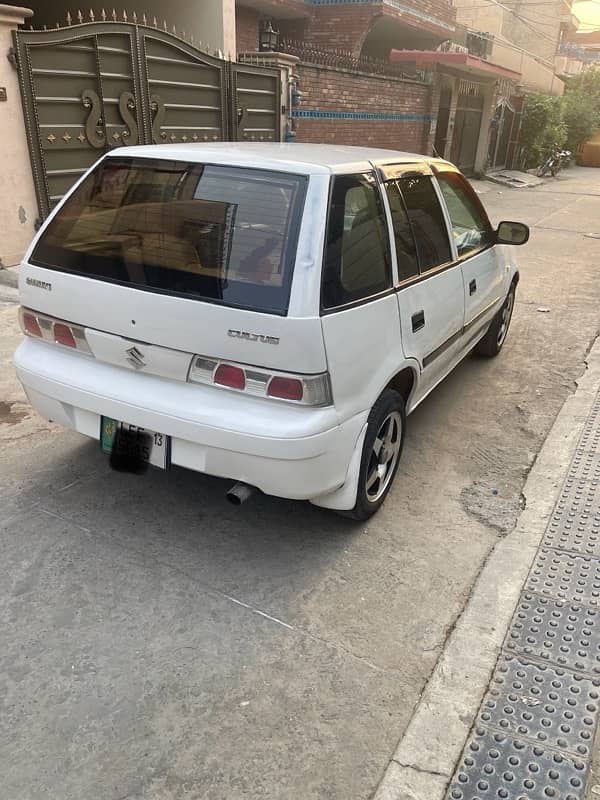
(425,759)
(9,281)
(9,276)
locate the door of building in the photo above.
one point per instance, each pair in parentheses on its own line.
(90,87)
(467,126)
(503,125)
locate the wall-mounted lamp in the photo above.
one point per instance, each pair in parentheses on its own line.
(269,38)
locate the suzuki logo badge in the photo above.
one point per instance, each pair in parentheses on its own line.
(136,358)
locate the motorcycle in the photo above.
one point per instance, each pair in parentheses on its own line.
(555,162)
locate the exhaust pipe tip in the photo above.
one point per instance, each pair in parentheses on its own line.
(239,493)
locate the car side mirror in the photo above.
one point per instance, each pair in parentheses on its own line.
(512,233)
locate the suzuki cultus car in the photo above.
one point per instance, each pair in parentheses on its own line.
(267,313)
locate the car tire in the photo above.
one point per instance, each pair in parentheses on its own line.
(494,339)
(382,448)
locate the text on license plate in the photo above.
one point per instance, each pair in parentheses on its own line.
(135,442)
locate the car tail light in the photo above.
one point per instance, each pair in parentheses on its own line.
(285,388)
(228,375)
(30,325)
(53,330)
(64,335)
(306,390)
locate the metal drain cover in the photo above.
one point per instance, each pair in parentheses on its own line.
(574,526)
(556,707)
(551,630)
(498,766)
(584,467)
(566,577)
(590,438)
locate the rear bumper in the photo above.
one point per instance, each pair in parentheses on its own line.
(284,450)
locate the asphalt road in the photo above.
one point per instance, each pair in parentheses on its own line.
(157,643)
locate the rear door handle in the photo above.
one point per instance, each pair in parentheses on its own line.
(418,320)
(473,286)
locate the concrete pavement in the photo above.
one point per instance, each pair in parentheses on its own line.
(159,644)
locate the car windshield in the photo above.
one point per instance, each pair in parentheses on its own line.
(217,233)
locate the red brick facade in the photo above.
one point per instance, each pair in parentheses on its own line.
(247,21)
(347,27)
(365,109)
(327,89)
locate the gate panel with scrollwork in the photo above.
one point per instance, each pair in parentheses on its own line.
(82,96)
(99,85)
(185,89)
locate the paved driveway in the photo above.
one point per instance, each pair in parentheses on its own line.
(158,643)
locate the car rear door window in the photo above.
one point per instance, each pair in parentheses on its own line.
(406,250)
(427,221)
(357,259)
(470,224)
(218,233)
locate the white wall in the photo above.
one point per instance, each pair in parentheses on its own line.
(18,203)
(536,77)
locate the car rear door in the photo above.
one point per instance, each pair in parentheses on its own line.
(181,258)
(430,292)
(483,273)
(359,311)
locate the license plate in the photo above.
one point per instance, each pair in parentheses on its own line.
(133,445)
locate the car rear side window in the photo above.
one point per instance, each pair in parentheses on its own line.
(427,221)
(406,250)
(217,233)
(357,259)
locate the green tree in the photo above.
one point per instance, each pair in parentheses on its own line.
(581,107)
(541,127)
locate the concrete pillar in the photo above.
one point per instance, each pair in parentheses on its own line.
(489,106)
(215,19)
(451,119)
(18,203)
(433,110)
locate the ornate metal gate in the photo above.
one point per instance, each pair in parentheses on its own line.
(94,86)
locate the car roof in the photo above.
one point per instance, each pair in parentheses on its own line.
(306,159)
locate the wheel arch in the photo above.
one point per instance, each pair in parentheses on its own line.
(404,382)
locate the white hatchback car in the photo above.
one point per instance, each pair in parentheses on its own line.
(264,313)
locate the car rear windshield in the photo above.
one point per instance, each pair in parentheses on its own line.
(218,233)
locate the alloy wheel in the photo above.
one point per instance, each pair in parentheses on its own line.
(384,456)
(507,310)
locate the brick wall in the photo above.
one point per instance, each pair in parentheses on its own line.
(378,111)
(346,26)
(246,29)
(248,21)
(340,27)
